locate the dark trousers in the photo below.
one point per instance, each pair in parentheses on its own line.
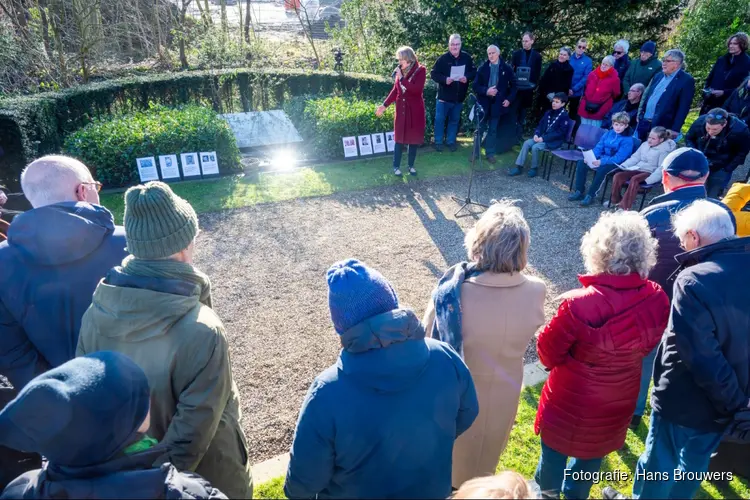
(600,173)
(398,150)
(14,463)
(643,128)
(573,104)
(716,183)
(635,177)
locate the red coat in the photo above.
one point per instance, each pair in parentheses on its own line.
(594,346)
(410,122)
(600,90)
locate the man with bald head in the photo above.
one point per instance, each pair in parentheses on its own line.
(55,256)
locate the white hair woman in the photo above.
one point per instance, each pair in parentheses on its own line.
(602,87)
(488,309)
(622,59)
(594,346)
(410,122)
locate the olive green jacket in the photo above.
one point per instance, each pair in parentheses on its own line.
(181,345)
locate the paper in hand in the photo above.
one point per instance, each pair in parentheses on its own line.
(457,72)
(589,157)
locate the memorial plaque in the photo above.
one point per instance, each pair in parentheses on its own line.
(365,146)
(209,163)
(350,146)
(378,143)
(262,128)
(390,140)
(147,169)
(190,165)
(170,170)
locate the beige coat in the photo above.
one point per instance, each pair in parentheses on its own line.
(500,314)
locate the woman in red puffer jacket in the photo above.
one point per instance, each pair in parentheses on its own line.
(602,88)
(594,347)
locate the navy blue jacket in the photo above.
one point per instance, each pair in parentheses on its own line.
(381,422)
(582,66)
(122,477)
(49,267)
(622,105)
(658,214)
(702,368)
(553,127)
(739,103)
(506,89)
(441,70)
(675,102)
(726,151)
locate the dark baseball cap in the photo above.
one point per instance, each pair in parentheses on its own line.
(686,163)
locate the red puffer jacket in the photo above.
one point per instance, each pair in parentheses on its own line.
(601,88)
(595,345)
(410,121)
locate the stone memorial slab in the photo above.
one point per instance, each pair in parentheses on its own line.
(262,128)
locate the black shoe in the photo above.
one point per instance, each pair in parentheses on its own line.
(610,493)
(439,148)
(634,422)
(452,147)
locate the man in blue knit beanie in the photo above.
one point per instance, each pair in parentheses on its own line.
(380,422)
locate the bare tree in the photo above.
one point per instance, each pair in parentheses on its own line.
(306,19)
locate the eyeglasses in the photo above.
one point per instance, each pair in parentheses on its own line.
(582,47)
(619,52)
(97,185)
(670,60)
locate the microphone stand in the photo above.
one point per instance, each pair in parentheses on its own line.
(476,153)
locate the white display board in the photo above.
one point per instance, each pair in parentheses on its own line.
(209,163)
(378,143)
(365,145)
(190,165)
(170,169)
(147,169)
(350,146)
(390,141)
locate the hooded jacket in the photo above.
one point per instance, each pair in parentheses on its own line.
(381,422)
(50,265)
(181,345)
(702,368)
(601,89)
(658,214)
(736,199)
(726,151)
(83,416)
(648,159)
(641,72)
(594,347)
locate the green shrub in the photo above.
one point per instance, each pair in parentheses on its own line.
(110,146)
(323,121)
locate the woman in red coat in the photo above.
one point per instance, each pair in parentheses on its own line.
(410,122)
(594,347)
(602,88)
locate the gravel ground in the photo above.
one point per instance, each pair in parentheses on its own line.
(267,266)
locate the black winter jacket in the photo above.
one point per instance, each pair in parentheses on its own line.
(739,103)
(553,127)
(702,368)
(658,214)
(726,151)
(456,91)
(506,89)
(558,77)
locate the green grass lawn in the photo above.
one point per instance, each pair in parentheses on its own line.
(235,192)
(522,454)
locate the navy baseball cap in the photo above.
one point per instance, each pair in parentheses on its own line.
(686,163)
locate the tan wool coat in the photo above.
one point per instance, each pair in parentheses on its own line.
(500,312)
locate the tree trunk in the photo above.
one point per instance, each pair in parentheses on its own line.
(45,28)
(157,31)
(224,20)
(247,22)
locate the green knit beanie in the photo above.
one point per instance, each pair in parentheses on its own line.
(158,223)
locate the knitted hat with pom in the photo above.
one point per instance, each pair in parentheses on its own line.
(158,223)
(357,292)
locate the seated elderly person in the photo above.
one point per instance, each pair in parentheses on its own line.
(594,347)
(629,104)
(488,309)
(725,140)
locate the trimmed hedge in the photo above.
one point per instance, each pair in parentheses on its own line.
(323,121)
(110,146)
(37,125)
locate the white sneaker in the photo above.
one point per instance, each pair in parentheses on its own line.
(397,172)
(412,171)
(606,204)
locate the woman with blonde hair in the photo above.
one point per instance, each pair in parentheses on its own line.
(407,93)
(488,310)
(506,485)
(594,347)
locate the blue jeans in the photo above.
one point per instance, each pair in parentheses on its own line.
(554,473)
(489,125)
(535,147)
(647,373)
(398,150)
(716,182)
(600,173)
(452,112)
(672,448)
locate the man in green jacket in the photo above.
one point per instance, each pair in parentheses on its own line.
(643,70)
(156,309)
